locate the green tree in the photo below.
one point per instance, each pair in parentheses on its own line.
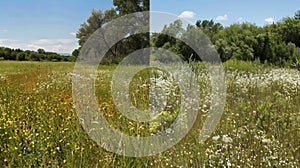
(127,45)
(33,56)
(210,28)
(136,41)
(237,41)
(76,52)
(41,51)
(224,50)
(95,21)
(290,30)
(21,56)
(169,34)
(131,6)
(297,15)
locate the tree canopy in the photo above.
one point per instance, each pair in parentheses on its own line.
(27,55)
(276,44)
(99,18)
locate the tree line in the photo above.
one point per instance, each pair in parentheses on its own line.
(276,44)
(95,21)
(27,55)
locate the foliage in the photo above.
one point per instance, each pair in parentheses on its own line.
(276,44)
(39,55)
(127,45)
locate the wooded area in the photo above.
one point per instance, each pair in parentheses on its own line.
(276,44)
(39,55)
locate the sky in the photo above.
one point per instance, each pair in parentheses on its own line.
(53,24)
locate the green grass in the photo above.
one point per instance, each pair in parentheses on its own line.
(250,66)
(39,127)
(21,67)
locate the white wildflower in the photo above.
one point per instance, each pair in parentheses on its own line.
(226,139)
(265,140)
(215,138)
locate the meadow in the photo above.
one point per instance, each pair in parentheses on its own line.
(39,126)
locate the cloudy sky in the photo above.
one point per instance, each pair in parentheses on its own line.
(52,24)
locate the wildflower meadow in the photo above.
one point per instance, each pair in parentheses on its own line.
(259,127)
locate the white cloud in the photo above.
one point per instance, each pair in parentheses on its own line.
(52,41)
(269,20)
(31,46)
(222,18)
(72,33)
(54,45)
(3,30)
(187,14)
(3,41)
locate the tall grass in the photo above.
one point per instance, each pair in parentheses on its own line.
(39,126)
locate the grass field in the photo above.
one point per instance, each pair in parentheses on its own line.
(260,126)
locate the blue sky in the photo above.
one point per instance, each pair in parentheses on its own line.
(52,24)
